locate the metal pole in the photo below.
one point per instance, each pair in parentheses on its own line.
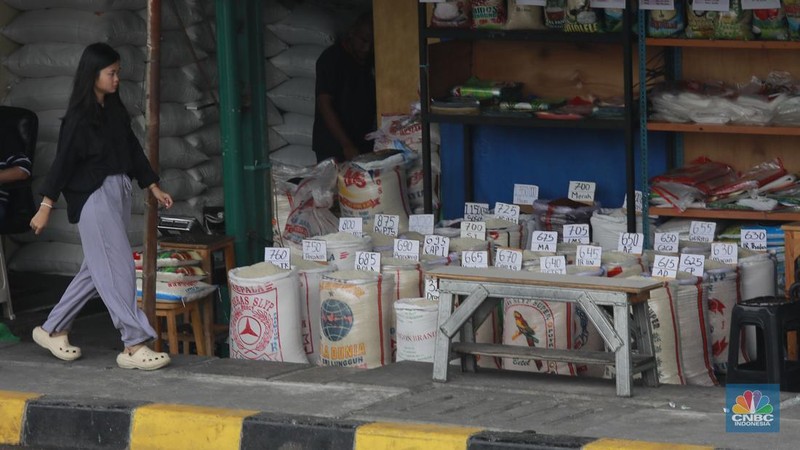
(152,111)
(630,164)
(427,177)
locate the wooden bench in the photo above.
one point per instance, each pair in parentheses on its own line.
(485,288)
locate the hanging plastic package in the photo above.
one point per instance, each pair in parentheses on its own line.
(582,18)
(452,13)
(792,10)
(700,23)
(488,13)
(555,14)
(734,23)
(770,24)
(665,23)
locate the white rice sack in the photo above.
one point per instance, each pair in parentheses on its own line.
(178,291)
(757,276)
(56,59)
(206,139)
(274,11)
(299,60)
(722,283)
(273,76)
(355,314)
(307,24)
(310,274)
(692,302)
(77,27)
(272,44)
(342,248)
(374,183)
(265,314)
(296,95)
(180,185)
(40,94)
(296,128)
(294,155)
(86,5)
(177,153)
(176,52)
(416,329)
(176,120)
(209,172)
(408,282)
(274,116)
(619,264)
(504,233)
(663,313)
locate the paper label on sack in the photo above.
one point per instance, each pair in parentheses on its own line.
(702,231)
(509,259)
(761,4)
(431,288)
(576,233)
(421,223)
(544,241)
(754,239)
(724,253)
(665,266)
(475,259)
(616,4)
(432,1)
(526,194)
(657,5)
(386,224)
(589,255)
(315,250)
(506,211)
(368,261)
(475,212)
(553,264)
(666,243)
(531,3)
(406,249)
(278,256)
(711,5)
(638,200)
(352,225)
(631,243)
(475,230)
(582,191)
(436,245)
(693,264)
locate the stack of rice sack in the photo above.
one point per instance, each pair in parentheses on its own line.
(53,35)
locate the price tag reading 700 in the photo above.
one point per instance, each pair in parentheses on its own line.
(475,230)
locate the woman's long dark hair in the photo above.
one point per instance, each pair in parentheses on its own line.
(83,100)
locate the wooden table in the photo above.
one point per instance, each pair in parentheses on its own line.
(485,288)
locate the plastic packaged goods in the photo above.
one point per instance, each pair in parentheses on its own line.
(416,329)
(555,14)
(665,23)
(308,201)
(736,23)
(452,13)
(552,215)
(792,10)
(488,13)
(700,24)
(524,17)
(618,264)
(770,24)
(582,18)
(409,283)
(722,282)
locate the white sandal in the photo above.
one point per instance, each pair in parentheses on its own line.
(142,359)
(59,346)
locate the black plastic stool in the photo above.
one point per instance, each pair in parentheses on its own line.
(773,317)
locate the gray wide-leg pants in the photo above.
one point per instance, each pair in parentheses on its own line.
(108,267)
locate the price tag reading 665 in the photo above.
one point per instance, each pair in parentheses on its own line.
(475,259)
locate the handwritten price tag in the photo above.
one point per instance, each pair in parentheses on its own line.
(582,191)
(544,241)
(657,5)
(421,223)
(754,239)
(475,230)
(506,212)
(509,259)
(314,250)
(589,255)
(724,253)
(692,264)
(406,249)
(666,243)
(475,259)
(760,4)
(431,288)
(352,225)
(387,225)
(702,231)
(532,2)
(368,261)
(630,243)
(576,233)
(525,194)
(278,256)
(436,245)
(665,266)
(553,264)
(711,5)
(474,212)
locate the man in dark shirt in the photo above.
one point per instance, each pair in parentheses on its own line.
(14,164)
(345,91)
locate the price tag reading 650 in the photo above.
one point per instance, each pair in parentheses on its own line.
(631,243)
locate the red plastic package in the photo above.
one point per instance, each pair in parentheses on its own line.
(754,178)
(702,173)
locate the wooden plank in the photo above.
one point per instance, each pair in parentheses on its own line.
(396,55)
(734,67)
(549,354)
(450,65)
(733,129)
(503,276)
(743,151)
(724,214)
(714,44)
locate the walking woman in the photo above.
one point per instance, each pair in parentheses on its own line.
(96,158)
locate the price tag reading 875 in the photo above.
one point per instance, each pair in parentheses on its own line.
(508,259)
(475,259)
(436,245)
(692,264)
(702,231)
(665,266)
(315,250)
(387,225)
(724,253)
(544,241)
(553,264)
(631,243)
(368,261)
(506,212)
(278,256)
(406,249)
(475,230)
(576,232)
(754,239)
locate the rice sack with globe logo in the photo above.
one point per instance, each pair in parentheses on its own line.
(355,317)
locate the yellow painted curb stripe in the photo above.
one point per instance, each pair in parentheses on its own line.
(12,414)
(390,436)
(624,444)
(183,426)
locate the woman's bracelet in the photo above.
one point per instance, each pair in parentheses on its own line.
(47,204)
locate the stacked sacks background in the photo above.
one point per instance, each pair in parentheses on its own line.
(52,35)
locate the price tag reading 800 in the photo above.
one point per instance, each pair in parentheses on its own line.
(544,241)
(436,245)
(475,259)
(387,225)
(666,243)
(754,239)
(553,264)
(406,249)
(665,266)
(278,256)
(475,230)
(506,212)
(352,225)
(576,233)
(702,231)
(508,259)
(421,223)
(631,243)
(588,255)
(724,253)
(692,264)
(368,261)
(314,250)
(474,212)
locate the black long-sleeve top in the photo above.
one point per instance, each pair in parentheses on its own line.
(87,153)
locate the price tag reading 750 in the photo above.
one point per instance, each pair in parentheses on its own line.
(315,250)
